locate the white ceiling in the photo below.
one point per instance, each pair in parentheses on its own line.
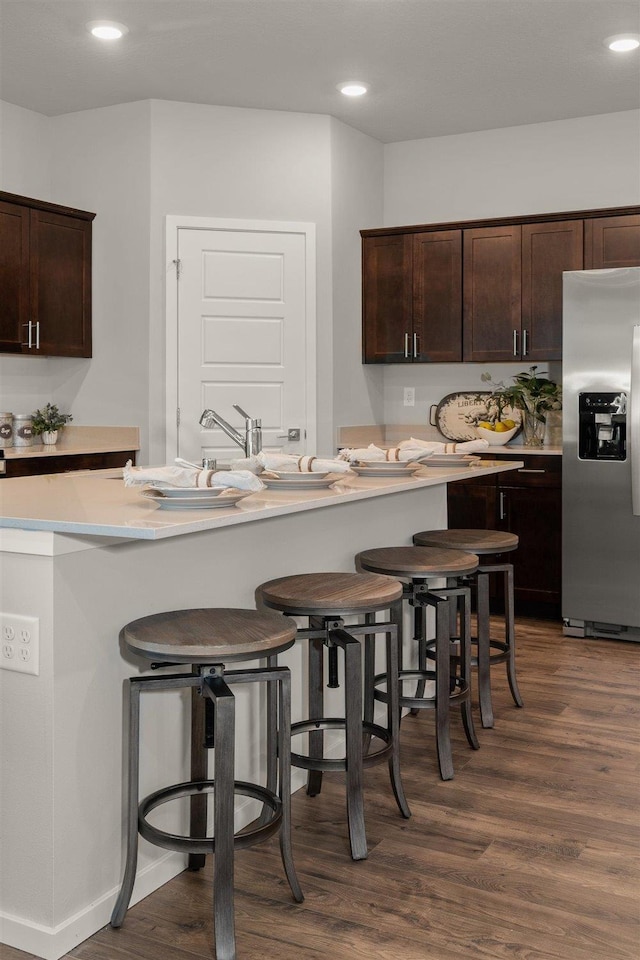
(435,67)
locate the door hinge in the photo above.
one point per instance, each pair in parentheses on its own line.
(177,416)
(178,264)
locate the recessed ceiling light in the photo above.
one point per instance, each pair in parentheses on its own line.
(107,29)
(353,88)
(623,42)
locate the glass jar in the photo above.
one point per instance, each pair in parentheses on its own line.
(6,430)
(22,435)
(532,429)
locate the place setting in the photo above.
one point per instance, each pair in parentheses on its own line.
(186,486)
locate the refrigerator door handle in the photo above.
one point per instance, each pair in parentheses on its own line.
(634,414)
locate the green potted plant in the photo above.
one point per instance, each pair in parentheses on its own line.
(532,393)
(47,421)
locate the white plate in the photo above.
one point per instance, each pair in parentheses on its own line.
(451,460)
(388,470)
(297,475)
(383,464)
(188,493)
(315,483)
(228,498)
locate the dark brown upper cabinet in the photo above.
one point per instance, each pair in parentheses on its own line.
(437,296)
(387,269)
(612,242)
(412,296)
(548,249)
(492,282)
(484,290)
(45,278)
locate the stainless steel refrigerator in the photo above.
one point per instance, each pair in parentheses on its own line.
(601,454)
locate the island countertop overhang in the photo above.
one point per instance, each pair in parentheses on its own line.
(98,505)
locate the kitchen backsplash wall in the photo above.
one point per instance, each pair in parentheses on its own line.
(432,382)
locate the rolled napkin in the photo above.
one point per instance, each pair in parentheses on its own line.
(190,477)
(411,449)
(283,461)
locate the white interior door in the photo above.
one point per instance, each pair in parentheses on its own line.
(242,337)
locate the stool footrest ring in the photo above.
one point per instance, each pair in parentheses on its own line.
(326,764)
(460,692)
(246,838)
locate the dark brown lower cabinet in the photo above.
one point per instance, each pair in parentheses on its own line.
(33,466)
(527,502)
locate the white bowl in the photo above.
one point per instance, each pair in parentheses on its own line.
(496,439)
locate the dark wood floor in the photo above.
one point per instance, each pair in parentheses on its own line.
(530,853)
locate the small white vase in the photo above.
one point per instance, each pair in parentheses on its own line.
(49,436)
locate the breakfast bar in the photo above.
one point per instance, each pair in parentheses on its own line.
(84,555)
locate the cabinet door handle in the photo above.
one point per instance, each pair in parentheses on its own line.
(406,346)
(515,343)
(525,342)
(503,512)
(530,470)
(37,335)
(416,346)
(28,343)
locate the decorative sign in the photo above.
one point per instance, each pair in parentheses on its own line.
(457,414)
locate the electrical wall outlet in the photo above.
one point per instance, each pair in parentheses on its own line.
(20,643)
(409,396)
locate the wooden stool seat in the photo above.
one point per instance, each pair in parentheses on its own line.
(417,562)
(324,594)
(475,541)
(325,598)
(209,635)
(207,639)
(487,544)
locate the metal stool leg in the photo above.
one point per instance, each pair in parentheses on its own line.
(316,701)
(272,742)
(284,760)
(353,718)
(394,640)
(510,636)
(465,665)
(223,874)
(443,740)
(484,651)
(132,789)
(199,771)
(369,680)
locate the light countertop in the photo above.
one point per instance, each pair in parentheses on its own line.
(98,504)
(389,435)
(75,440)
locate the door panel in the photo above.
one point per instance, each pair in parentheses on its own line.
(437,296)
(241,336)
(611,242)
(387,299)
(547,250)
(492,271)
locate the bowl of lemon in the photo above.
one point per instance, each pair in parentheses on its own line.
(498,433)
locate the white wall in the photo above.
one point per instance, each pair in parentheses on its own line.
(539,168)
(356,203)
(135,163)
(95,160)
(245,164)
(25,169)
(100,162)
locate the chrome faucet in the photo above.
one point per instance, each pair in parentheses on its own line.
(251,442)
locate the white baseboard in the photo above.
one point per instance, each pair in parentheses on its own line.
(51,943)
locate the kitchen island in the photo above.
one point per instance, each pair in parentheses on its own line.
(84,556)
